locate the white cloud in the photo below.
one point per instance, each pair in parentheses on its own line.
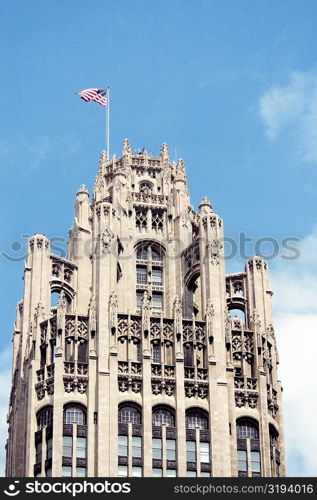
(292,110)
(295,304)
(34,155)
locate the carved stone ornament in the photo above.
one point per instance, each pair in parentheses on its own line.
(215,247)
(106,240)
(113,309)
(92,312)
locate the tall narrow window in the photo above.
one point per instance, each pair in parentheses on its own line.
(255,463)
(67,471)
(122,471)
(136,447)
(67,446)
(123,446)
(129,441)
(188,355)
(141,275)
(38,453)
(171,449)
(149,273)
(82,352)
(80,471)
(242,463)
(157,276)
(49,446)
(157,302)
(81,447)
(157,448)
(204,453)
(156,353)
(191,451)
(248,448)
(45,418)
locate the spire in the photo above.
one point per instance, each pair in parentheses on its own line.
(205,206)
(82,189)
(126,150)
(164,153)
(180,171)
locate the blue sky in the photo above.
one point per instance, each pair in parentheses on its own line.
(230,85)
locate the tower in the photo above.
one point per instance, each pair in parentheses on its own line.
(153,361)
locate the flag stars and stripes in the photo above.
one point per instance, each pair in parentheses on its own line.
(97,95)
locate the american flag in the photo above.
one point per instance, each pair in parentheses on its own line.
(97,95)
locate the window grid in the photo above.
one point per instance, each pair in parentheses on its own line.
(38,453)
(204,453)
(45,418)
(246,429)
(123,446)
(156,353)
(81,446)
(157,276)
(136,447)
(67,446)
(157,448)
(196,420)
(49,446)
(163,417)
(129,414)
(157,301)
(74,415)
(191,451)
(171,449)
(66,471)
(141,275)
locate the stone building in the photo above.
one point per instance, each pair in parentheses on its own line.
(151,361)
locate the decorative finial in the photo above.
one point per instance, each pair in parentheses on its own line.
(164,153)
(126,148)
(103,157)
(205,206)
(180,171)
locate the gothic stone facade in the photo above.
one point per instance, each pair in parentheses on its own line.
(153,361)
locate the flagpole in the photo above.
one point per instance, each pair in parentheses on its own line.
(108,125)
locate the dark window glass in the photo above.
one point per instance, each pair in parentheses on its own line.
(129,414)
(74,415)
(247,429)
(196,419)
(156,353)
(45,418)
(163,417)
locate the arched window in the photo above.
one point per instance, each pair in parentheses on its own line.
(145,186)
(74,415)
(149,272)
(129,414)
(237,313)
(163,416)
(247,429)
(249,462)
(196,419)
(274,452)
(129,440)
(45,417)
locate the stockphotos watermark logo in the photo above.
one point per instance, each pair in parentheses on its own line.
(12,490)
(99,247)
(70,488)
